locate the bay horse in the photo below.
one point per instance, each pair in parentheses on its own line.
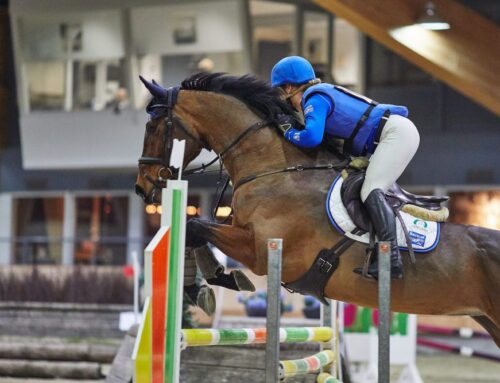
(225,114)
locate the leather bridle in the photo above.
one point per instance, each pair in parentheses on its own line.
(164,162)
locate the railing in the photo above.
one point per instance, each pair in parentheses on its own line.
(107,250)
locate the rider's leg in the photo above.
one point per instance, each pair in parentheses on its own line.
(397,146)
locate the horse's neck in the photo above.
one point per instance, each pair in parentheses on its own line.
(221,119)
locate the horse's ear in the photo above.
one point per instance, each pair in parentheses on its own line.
(153,87)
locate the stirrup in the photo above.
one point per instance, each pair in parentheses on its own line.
(370,250)
(363,271)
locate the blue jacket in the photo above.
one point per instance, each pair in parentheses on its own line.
(336,111)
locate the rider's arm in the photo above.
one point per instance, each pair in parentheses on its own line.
(316,111)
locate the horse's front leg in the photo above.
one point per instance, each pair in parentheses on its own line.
(234,242)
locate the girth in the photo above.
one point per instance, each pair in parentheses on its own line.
(314,281)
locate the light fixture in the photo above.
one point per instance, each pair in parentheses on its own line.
(431,20)
(223,211)
(191,210)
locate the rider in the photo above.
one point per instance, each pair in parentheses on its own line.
(368,128)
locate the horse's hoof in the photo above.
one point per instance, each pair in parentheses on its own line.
(206,300)
(242,281)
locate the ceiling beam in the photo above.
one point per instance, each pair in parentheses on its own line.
(465,57)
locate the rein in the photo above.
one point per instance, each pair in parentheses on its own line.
(171,98)
(297,168)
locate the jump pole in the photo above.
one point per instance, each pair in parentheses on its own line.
(384,307)
(329,319)
(274,255)
(175,196)
(241,336)
(460,350)
(157,349)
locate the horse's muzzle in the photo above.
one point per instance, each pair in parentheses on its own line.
(141,193)
(152,198)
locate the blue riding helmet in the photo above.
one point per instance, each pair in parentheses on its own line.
(294,70)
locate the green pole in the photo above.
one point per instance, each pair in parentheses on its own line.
(176,199)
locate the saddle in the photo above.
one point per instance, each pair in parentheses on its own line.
(396,196)
(313,282)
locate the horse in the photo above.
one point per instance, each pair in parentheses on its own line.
(233,116)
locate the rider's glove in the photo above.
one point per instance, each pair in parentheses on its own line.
(285,122)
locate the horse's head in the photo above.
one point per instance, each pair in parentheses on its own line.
(164,125)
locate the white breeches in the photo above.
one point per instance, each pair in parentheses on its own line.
(397,146)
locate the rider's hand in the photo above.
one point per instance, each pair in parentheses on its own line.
(285,123)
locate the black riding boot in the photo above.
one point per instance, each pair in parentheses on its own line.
(384,223)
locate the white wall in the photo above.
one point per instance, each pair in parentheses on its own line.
(217,25)
(84,140)
(102,36)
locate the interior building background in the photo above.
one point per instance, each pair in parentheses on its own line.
(72,115)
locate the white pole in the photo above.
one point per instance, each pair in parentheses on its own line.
(137,271)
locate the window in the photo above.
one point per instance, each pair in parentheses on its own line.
(46,84)
(38,231)
(386,68)
(101,230)
(74,61)
(481,208)
(99,85)
(315,43)
(273,33)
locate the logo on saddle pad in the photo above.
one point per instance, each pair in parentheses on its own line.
(417,238)
(420,223)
